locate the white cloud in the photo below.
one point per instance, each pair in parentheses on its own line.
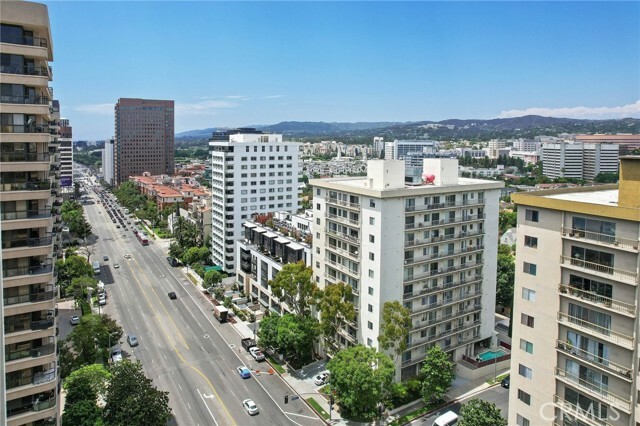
(274,97)
(598,113)
(204,107)
(96,109)
(240,97)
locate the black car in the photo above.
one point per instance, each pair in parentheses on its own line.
(172,261)
(506,382)
(172,295)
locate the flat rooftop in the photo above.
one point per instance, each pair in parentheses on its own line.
(606,198)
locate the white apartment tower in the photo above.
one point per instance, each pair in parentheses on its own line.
(107,161)
(29,218)
(432,246)
(398,149)
(578,160)
(575,320)
(251,173)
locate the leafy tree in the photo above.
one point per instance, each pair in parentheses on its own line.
(176,250)
(293,335)
(186,233)
(96,375)
(480,413)
(294,285)
(505,278)
(335,309)
(83,387)
(395,327)
(506,219)
(132,399)
(80,285)
(606,177)
(212,278)
(82,413)
(72,267)
(437,374)
(196,255)
(360,378)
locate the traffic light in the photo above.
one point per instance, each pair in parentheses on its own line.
(331,401)
(286,399)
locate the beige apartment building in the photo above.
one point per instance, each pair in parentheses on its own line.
(29,217)
(575,320)
(144,138)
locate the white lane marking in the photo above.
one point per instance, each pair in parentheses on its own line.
(300,415)
(180,387)
(189,405)
(207,407)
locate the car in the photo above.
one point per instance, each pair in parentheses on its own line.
(127,256)
(116,354)
(132,340)
(172,261)
(117,226)
(116,265)
(506,382)
(321,379)
(105,258)
(256,353)
(172,295)
(74,320)
(244,372)
(250,407)
(102,299)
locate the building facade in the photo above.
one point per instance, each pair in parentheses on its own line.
(578,160)
(398,149)
(251,173)
(107,161)
(29,218)
(66,154)
(144,138)
(431,246)
(575,320)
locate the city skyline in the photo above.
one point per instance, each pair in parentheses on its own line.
(238,64)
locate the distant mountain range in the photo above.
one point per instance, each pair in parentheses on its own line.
(525,127)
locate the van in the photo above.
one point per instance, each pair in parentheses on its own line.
(447,419)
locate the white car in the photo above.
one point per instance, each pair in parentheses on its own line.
(102,299)
(256,353)
(116,354)
(127,256)
(250,407)
(321,379)
(75,320)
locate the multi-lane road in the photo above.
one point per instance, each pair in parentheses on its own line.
(182,347)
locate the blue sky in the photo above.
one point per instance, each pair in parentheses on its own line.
(243,63)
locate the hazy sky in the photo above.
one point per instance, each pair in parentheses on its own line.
(243,63)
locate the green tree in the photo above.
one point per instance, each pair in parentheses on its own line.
(196,255)
(212,278)
(294,285)
(96,375)
(336,308)
(437,374)
(361,378)
(293,335)
(506,269)
(395,327)
(80,406)
(506,219)
(176,250)
(132,399)
(480,413)
(606,177)
(80,285)
(72,267)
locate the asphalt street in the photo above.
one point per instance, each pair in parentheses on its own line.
(182,347)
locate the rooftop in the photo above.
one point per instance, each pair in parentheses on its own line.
(606,197)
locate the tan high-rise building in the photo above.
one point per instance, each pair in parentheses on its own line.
(575,321)
(29,217)
(144,138)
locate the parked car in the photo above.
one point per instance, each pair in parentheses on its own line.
(250,407)
(105,258)
(116,265)
(506,382)
(132,340)
(172,261)
(172,295)
(256,353)
(321,379)
(74,320)
(116,353)
(244,372)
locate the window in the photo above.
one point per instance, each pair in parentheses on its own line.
(531,215)
(526,320)
(370,308)
(369,342)
(530,241)
(529,268)
(371,273)
(521,421)
(318,191)
(524,397)
(372,203)
(528,294)
(372,239)
(317,206)
(524,371)
(371,256)
(372,221)
(526,346)
(369,325)
(370,291)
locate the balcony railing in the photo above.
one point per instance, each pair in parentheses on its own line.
(15,157)
(28,270)
(580,413)
(600,392)
(342,251)
(25,242)
(606,302)
(595,360)
(597,238)
(42,324)
(342,236)
(447,253)
(26,214)
(342,267)
(24,100)
(597,330)
(342,219)
(609,272)
(26,186)
(25,40)
(343,203)
(33,352)
(438,206)
(37,405)
(443,286)
(440,271)
(29,298)
(447,221)
(444,302)
(24,128)
(28,70)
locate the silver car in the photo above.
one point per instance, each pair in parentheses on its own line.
(250,407)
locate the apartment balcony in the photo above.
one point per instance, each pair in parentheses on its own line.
(604,271)
(596,330)
(609,241)
(28,270)
(355,206)
(593,389)
(34,352)
(448,253)
(35,185)
(444,318)
(440,206)
(440,271)
(25,100)
(576,412)
(592,298)
(585,357)
(342,219)
(24,157)
(441,222)
(442,238)
(440,287)
(353,255)
(24,128)
(342,268)
(25,247)
(26,41)
(18,414)
(445,302)
(342,236)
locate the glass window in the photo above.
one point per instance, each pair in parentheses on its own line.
(526,346)
(529,268)
(532,215)
(524,397)
(524,371)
